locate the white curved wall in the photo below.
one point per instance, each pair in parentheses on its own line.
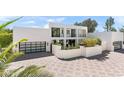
(71,53)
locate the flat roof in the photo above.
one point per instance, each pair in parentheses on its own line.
(66,25)
(30,28)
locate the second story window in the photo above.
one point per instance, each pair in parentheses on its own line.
(68,33)
(73,33)
(55,32)
(82,33)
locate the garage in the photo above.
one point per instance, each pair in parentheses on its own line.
(32,47)
(117,45)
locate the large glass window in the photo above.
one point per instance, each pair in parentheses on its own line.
(73,33)
(70,43)
(68,33)
(55,32)
(82,33)
(58,42)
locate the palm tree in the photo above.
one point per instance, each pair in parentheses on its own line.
(7,56)
(2,26)
(8,34)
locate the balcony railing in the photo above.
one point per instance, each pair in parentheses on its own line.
(61,35)
(82,35)
(71,35)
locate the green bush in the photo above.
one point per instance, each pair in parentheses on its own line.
(70,47)
(89,42)
(5,39)
(99,41)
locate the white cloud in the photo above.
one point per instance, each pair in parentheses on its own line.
(60,19)
(35,26)
(29,22)
(51,20)
(119,19)
(56,19)
(6,18)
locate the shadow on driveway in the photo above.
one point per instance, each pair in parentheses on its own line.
(120,51)
(100,57)
(33,56)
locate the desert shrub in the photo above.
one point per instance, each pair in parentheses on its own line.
(89,42)
(99,41)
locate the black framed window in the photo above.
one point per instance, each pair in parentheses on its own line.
(55,32)
(73,32)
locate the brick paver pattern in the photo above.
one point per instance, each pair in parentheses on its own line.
(109,66)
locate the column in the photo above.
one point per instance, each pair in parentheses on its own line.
(65,37)
(77,36)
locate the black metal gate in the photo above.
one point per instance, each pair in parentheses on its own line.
(117,45)
(32,47)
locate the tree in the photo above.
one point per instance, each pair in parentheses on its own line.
(7,56)
(113,29)
(121,29)
(2,26)
(6,34)
(5,39)
(109,24)
(91,24)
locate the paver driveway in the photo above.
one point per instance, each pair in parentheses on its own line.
(107,64)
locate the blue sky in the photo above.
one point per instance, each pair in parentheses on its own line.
(42,21)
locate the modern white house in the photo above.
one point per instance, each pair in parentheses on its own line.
(40,40)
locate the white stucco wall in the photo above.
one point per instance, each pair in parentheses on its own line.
(71,53)
(66,26)
(117,36)
(109,38)
(65,54)
(104,45)
(32,34)
(92,51)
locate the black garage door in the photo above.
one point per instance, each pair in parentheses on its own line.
(32,47)
(117,45)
